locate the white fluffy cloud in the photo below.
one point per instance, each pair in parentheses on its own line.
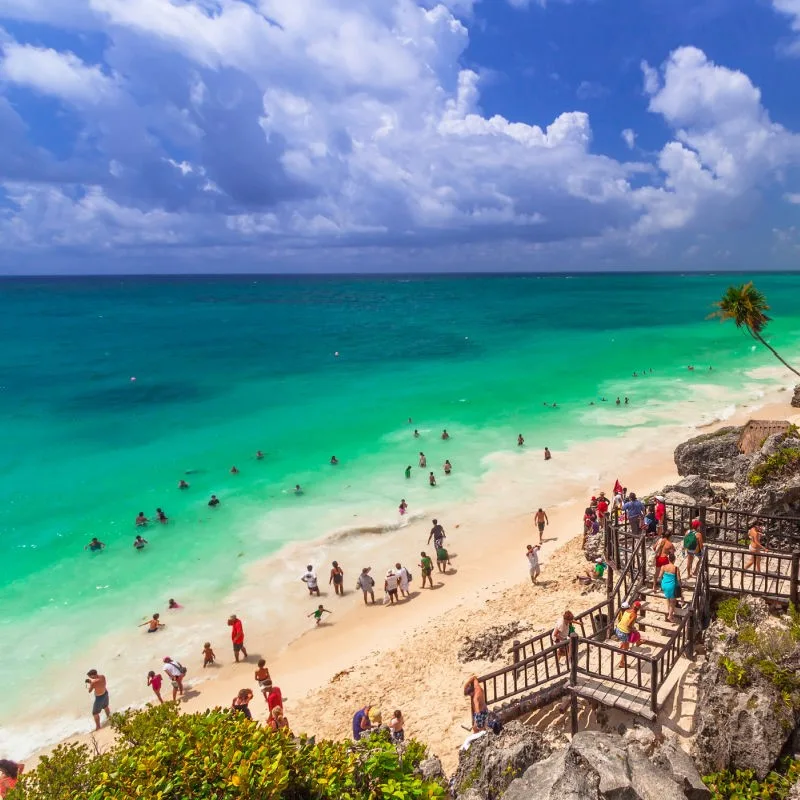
(338,123)
(629,137)
(791,8)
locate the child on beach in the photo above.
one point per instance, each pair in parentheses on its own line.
(263,678)
(153,624)
(318,614)
(396,726)
(154,682)
(208,655)
(442,559)
(241,702)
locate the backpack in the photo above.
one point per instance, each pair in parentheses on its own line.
(182,669)
(690,541)
(494,724)
(410,576)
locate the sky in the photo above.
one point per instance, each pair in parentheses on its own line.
(173,136)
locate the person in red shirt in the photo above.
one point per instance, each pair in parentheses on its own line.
(154,682)
(275,698)
(661,514)
(9,773)
(602,506)
(237,637)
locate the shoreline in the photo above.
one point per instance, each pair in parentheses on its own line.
(304,660)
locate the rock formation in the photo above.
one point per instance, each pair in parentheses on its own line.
(493,643)
(795,401)
(711,456)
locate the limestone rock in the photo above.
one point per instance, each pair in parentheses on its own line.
(694,486)
(602,766)
(492,762)
(711,455)
(795,401)
(678,498)
(794,792)
(492,643)
(431,770)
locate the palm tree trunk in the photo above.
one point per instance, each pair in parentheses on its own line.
(773,351)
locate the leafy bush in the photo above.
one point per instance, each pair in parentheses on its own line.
(732,611)
(742,784)
(774,465)
(216,755)
(735,674)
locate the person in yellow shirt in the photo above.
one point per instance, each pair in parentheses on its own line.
(624,627)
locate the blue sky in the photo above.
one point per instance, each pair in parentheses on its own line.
(398,135)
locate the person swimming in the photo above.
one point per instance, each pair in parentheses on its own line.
(234,471)
(94,545)
(259,455)
(214,501)
(161,516)
(141,520)
(297,489)
(182,484)
(334,460)
(445,434)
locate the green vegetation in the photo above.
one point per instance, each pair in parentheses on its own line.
(732,611)
(774,465)
(741,784)
(735,674)
(163,755)
(748,307)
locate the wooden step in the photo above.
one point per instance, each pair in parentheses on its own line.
(616,695)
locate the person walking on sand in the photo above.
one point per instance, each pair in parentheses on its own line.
(404,577)
(337,578)
(437,534)
(671,586)
(237,637)
(540,518)
(426,567)
(442,560)
(561,633)
(423,462)
(317,614)
(478,707)
(390,584)
(97,683)
(756,547)
(532,554)
(309,578)
(693,545)
(366,583)
(209,657)
(154,682)
(175,673)
(263,679)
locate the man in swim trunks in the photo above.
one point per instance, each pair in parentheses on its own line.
(540,518)
(141,520)
(426,566)
(95,545)
(263,679)
(437,534)
(478,707)
(97,683)
(309,578)
(445,434)
(153,624)
(337,578)
(214,501)
(237,637)
(139,543)
(520,441)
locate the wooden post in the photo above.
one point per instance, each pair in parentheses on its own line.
(690,628)
(573,682)
(794,576)
(654,686)
(515,658)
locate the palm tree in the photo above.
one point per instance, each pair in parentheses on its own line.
(746,306)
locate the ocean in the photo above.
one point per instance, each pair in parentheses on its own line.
(114,389)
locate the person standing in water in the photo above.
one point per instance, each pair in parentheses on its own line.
(141,520)
(95,545)
(423,462)
(432,479)
(139,543)
(408,471)
(97,683)
(448,467)
(337,578)
(182,484)
(309,577)
(334,461)
(259,455)
(403,507)
(214,501)
(161,516)
(416,433)
(520,441)
(540,518)
(445,434)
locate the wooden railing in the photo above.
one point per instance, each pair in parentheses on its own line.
(524,676)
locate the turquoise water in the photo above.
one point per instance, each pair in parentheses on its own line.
(226,366)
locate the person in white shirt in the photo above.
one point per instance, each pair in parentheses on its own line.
(532,555)
(310,580)
(560,635)
(390,586)
(175,675)
(403,577)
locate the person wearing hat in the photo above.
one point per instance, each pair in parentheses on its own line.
(624,627)
(390,587)
(237,637)
(366,583)
(602,506)
(756,534)
(375,718)
(175,675)
(692,545)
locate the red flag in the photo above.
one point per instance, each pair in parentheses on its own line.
(617,487)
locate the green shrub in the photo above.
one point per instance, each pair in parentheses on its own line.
(774,465)
(735,674)
(216,755)
(741,784)
(733,611)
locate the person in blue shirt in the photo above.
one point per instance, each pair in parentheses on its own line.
(634,510)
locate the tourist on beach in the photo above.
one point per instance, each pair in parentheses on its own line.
(361,723)
(663,548)
(423,462)
(366,583)
(209,656)
(175,673)
(9,775)
(408,471)
(154,682)
(309,578)
(214,501)
(139,543)
(520,440)
(334,461)
(540,518)
(432,479)
(237,637)
(161,516)
(532,554)
(277,721)
(403,507)
(442,559)
(437,534)
(594,574)
(337,578)
(263,678)
(396,727)
(182,484)
(259,455)
(634,510)
(404,577)
(390,585)
(174,604)
(671,586)
(445,434)
(426,567)
(97,683)
(274,699)
(624,626)
(234,471)
(693,545)
(141,520)
(661,513)
(241,702)
(478,707)
(756,547)
(317,614)
(561,633)
(448,467)
(547,454)
(153,624)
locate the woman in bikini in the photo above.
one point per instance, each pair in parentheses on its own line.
(663,547)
